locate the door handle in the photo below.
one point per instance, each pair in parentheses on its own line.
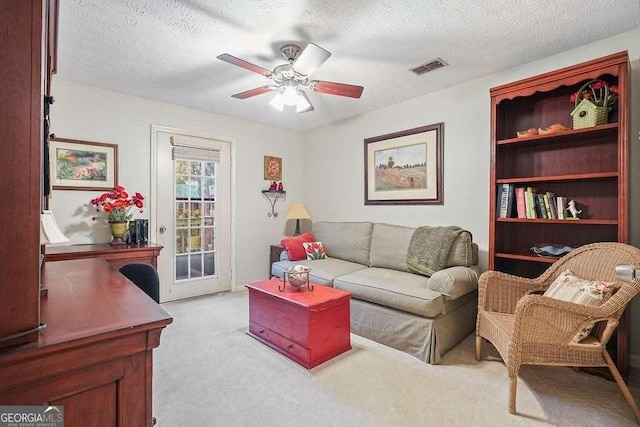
(162,229)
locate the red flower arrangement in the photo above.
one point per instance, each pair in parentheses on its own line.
(117,204)
(599,92)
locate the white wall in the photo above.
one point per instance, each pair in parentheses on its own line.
(334,172)
(92,114)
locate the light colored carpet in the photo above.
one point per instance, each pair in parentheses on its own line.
(208,372)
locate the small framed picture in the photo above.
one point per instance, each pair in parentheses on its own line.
(405,168)
(272,168)
(83,165)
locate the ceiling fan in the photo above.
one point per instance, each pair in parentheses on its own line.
(292,77)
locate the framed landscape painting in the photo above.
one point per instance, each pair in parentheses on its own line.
(405,168)
(83,165)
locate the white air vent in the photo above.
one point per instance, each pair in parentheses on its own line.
(429,66)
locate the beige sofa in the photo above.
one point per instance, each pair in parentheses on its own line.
(422,316)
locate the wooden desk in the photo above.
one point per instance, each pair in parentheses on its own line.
(95,355)
(117,256)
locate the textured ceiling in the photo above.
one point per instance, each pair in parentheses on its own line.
(166,49)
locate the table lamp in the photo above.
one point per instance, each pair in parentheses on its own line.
(626,272)
(298,211)
(50,234)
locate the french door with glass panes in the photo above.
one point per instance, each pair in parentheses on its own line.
(193,221)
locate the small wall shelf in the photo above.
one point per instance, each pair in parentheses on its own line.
(273,197)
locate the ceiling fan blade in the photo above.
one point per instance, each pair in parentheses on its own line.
(253,92)
(302,108)
(244,64)
(310,59)
(332,88)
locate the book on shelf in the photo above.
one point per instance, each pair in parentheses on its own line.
(533,209)
(562,205)
(510,200)
(506,199)
(541,206)
(553,210)
(529,203)
(521,206)
(501,209)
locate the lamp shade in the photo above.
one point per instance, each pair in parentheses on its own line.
(50,233)
(298,211)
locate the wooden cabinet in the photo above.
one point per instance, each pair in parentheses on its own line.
(95,355)
(588,165)
(116,255)
(23,51)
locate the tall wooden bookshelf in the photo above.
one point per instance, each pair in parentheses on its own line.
(588,165)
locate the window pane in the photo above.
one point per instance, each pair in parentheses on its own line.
(182,186)
(209,169)
(195,191)
(209,188)
(207,244)
(195,214)
(195,240)
(196,168)
(182,267)
(182,167)
(196,265)
(209,264)
(181,240)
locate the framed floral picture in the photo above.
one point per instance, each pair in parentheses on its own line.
(272,168)
(405,168)
(83,165)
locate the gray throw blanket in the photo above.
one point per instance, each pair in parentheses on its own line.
(429,248)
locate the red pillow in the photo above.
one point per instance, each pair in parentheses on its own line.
(293,245)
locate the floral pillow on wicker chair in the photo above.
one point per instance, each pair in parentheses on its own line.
(569,287)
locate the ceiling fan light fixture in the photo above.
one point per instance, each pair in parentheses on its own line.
(289,79)
(277,101)
(303,105)
(290,96)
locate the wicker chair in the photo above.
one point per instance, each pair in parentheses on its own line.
(530,329)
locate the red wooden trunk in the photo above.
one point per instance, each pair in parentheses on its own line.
(309,327)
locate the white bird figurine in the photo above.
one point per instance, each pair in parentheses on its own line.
(573,210)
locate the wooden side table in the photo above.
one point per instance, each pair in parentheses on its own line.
(309,327)
(274,255)
(117,255)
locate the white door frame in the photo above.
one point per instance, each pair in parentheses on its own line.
(153,214)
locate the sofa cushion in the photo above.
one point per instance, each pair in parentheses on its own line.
(395,289)
(293,246)
(349,241)
(454,281)
(314,250)
(323,271)
(389,245)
